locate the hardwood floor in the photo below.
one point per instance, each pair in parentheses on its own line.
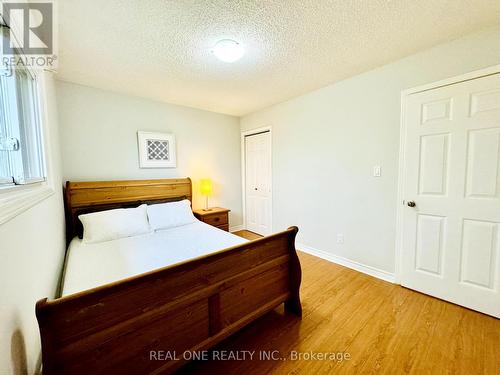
(247,234)
(385,328)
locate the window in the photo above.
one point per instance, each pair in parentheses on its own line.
(21,146)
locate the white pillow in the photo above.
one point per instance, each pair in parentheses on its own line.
(112,224)
(170,215)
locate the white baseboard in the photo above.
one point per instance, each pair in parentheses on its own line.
(369,270)
(236,228)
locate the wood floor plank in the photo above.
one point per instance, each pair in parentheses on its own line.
(386,329)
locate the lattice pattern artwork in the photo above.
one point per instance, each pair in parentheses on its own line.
(157,149)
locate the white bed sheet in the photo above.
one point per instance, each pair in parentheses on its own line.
(91,265)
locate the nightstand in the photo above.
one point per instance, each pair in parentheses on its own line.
(217,216)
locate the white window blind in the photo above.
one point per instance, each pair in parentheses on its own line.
(21,146)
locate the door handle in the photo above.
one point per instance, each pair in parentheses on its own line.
(411,204)
(255,188)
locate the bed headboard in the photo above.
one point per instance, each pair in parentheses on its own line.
(93,196)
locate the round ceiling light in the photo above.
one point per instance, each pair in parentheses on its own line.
(228,50)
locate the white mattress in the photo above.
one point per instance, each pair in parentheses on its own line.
(91,265)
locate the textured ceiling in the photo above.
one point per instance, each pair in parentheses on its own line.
(160,49)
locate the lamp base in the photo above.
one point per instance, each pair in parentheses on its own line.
(206,205)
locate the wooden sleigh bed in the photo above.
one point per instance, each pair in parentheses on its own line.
(189,306)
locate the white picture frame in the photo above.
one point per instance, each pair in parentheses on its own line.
(156,150)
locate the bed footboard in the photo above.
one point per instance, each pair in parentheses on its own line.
(187,307)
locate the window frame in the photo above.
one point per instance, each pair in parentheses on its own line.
(4,129)
(15,199)
(22,120)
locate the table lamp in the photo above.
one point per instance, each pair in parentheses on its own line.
(206,190)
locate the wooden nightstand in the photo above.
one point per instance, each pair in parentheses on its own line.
(217,216)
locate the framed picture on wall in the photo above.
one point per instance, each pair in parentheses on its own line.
(156,150)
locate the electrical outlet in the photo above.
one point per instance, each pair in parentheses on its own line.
(340,238)
(377,171)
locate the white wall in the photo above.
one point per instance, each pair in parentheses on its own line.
(99,142)
(326,142)
(32,247)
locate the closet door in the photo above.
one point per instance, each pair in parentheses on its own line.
(258,182)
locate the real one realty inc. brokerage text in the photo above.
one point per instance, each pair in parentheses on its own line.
(246,355)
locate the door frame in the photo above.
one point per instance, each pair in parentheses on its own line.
(245,133)
(402,148)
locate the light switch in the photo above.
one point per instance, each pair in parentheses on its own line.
(377,171)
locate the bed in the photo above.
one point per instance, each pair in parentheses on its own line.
(175,290)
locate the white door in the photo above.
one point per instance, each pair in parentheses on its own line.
(451,237)
(258,182)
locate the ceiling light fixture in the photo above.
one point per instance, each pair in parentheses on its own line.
(228,50)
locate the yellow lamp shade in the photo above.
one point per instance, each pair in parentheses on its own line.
(206,186)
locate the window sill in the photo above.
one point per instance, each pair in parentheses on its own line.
(16,200)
